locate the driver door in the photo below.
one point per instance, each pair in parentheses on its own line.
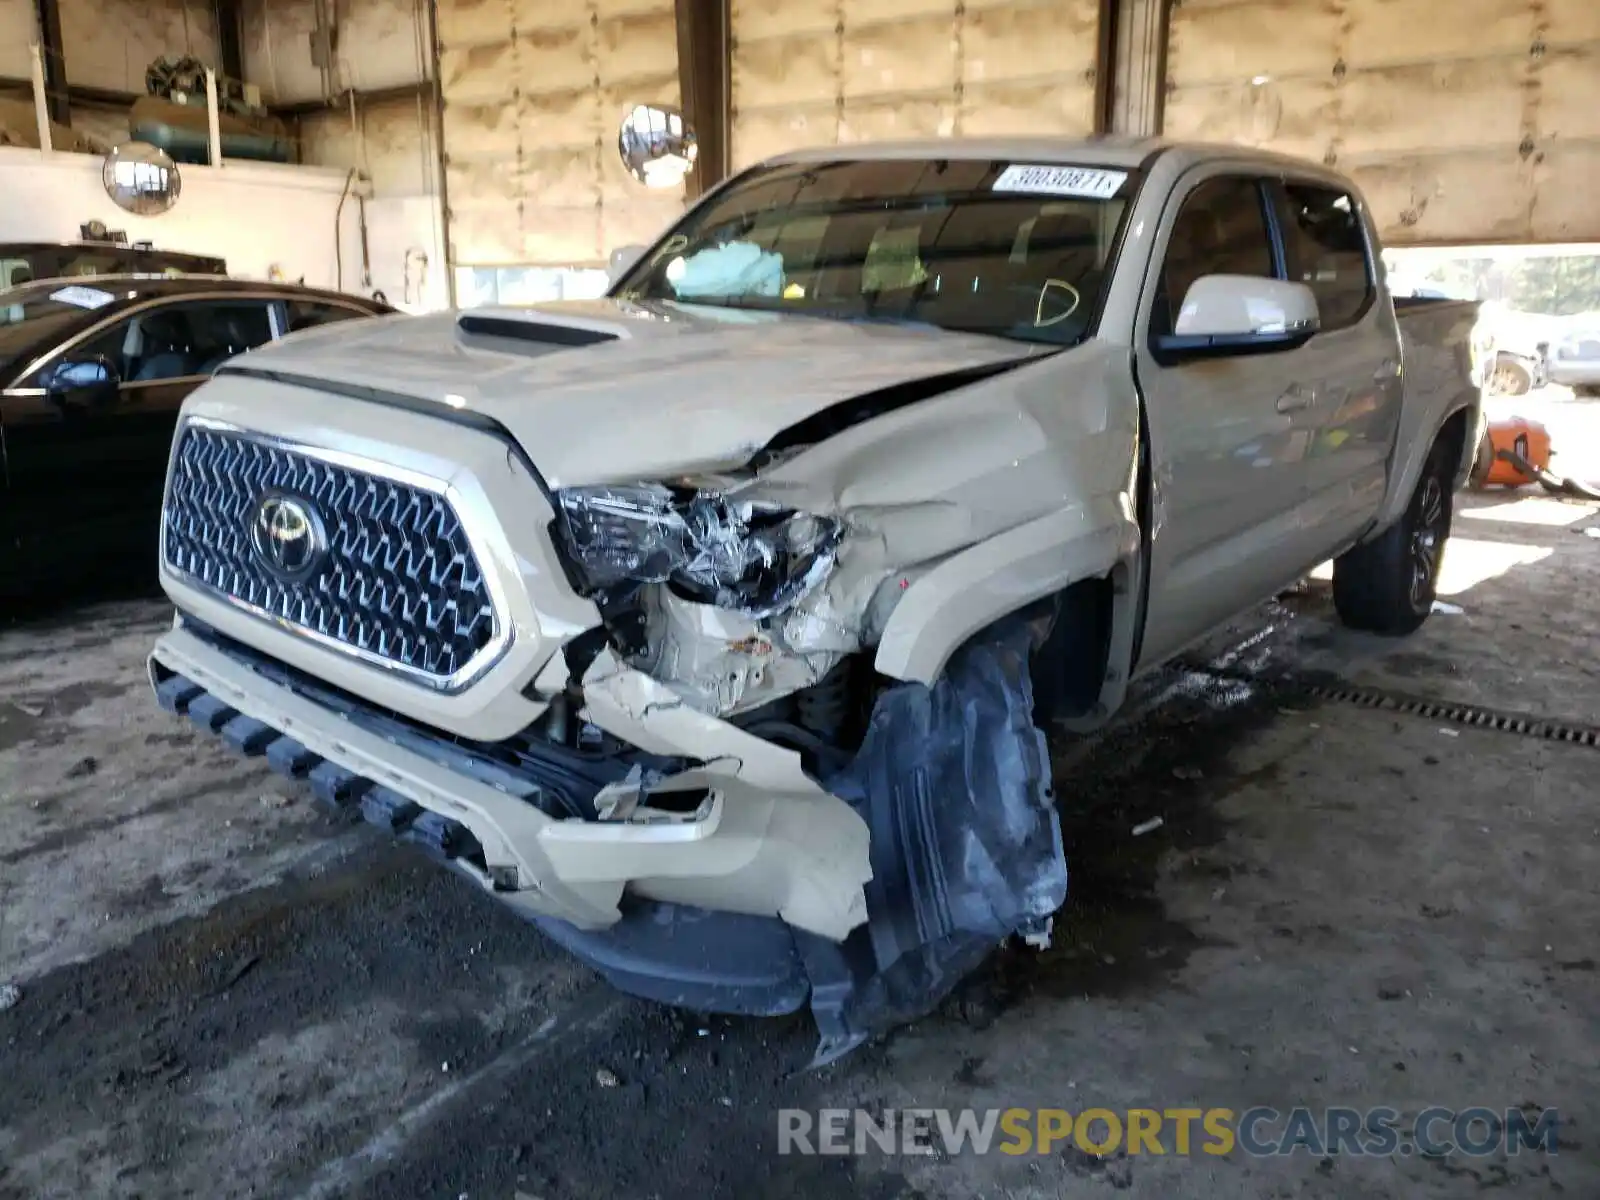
(1229,430)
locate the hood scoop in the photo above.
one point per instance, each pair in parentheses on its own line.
(509,331)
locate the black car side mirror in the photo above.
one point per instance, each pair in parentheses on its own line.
(84,381)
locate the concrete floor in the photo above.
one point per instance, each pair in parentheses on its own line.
(222,996)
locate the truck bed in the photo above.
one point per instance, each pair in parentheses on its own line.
(1438,340)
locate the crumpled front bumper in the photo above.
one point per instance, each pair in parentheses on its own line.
(774,896)
(768,842)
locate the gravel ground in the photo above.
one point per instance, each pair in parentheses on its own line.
(221,994)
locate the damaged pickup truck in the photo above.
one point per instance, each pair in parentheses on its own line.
(713,624)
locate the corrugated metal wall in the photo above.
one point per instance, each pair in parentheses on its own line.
(382,43)
(1463,120)
(853,70)
(534,93)
(16,31)
(391,141)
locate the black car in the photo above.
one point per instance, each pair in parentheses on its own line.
(92,374)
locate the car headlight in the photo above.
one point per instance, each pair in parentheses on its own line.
(752,556)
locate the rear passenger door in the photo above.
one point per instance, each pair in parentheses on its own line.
(1354,357)
(1229,430)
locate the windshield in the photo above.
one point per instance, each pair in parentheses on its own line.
(1011,249)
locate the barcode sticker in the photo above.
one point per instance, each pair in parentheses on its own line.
(1095,183)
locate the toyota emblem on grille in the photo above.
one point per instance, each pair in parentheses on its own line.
(287,536)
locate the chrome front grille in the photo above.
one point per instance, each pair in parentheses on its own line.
(396,582)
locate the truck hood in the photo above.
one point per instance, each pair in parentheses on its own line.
(609,391)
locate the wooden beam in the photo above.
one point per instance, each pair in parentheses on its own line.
(76,93)
(1137,80)
(1105,65)
(364,99)
(55,61)
(705,81)
(1163,44)
(230,39)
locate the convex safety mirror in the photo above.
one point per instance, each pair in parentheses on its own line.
(141,178)
(657,145)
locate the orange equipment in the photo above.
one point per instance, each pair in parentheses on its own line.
(1509,446)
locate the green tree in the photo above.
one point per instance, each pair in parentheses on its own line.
(1558,287)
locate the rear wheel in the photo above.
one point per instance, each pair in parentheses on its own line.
(1388,585)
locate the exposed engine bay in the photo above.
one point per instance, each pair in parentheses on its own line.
(731,602)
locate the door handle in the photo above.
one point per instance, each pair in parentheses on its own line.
(1388,369)
(1295,398)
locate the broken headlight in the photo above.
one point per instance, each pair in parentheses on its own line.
(751,556)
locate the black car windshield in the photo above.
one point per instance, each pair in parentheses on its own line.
(1016,250)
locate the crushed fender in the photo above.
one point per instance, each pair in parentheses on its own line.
(953,781)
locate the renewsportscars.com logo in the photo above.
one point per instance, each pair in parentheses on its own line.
(1434,1132)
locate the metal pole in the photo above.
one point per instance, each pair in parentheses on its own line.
(213,118)
(434,46)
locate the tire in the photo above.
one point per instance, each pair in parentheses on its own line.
(1586,391)
(1387,586)
(1510,378)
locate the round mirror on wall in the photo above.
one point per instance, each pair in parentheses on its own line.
(141,179)
(657,145)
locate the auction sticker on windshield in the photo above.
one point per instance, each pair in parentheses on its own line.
(1094,183)
(82,297)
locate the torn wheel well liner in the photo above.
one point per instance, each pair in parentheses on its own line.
(1070,667)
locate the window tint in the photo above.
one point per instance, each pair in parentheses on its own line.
(308,314)
(180,340)
(1221,230)
(1326,251)
(107,345)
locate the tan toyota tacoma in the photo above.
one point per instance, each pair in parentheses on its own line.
(713,624)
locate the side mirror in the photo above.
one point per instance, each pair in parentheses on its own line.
(622,260)
(85,381)
(1242,314)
